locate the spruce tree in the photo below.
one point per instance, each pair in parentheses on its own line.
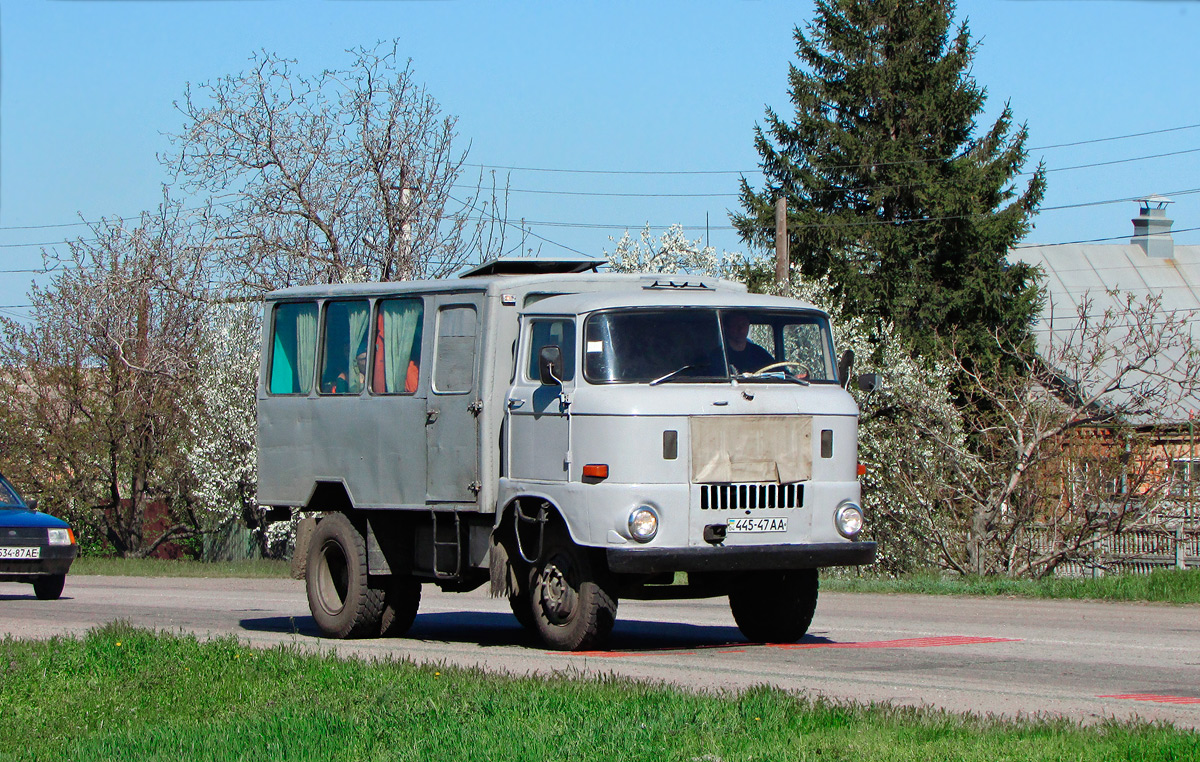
(892,191)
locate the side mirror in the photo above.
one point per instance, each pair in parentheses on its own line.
(844,366)
(31,504)
(550,365)
(869,382)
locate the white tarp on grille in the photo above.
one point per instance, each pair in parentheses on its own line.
(751,448)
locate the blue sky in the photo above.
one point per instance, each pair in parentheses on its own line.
(87,91)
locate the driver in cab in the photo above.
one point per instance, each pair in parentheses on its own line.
(743,355)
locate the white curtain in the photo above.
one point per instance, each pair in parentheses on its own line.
(359,314)
(306,346)
(294,349)
(400,320)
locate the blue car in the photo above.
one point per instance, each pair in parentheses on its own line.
(34,547)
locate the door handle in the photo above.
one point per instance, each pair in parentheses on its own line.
(513,404)
(431,416)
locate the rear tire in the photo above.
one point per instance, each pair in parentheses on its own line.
(571,604)
(339,594)
(49,587)
(400,604)
(775,607)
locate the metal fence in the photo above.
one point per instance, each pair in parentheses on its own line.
(1137,552)
(231,542)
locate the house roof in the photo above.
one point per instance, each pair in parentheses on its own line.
(1074,272)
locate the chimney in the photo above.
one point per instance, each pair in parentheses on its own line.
(1152,229)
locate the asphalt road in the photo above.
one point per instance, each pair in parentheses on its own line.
(1083,660)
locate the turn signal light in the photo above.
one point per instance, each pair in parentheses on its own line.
(862,469)
(595,471)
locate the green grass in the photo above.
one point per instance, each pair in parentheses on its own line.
(123,693)
(1163,586)
(154,567)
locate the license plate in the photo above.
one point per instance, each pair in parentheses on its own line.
(750,524)
(21,553)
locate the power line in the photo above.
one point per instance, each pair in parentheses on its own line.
(1116,137)
(1120,161)
(507,223)
(44,227)
(614,194)
(744,171)
(41,243)
(858,189)
(1090,240)
(622,194)
(1122,200)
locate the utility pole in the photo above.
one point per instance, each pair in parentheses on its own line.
(783,264)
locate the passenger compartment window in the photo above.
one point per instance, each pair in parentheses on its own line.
(557,332)
(293,348)
(454,357)
(344,355)
(396,369)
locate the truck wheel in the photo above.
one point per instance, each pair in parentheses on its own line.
(339,596)
(775,607)
(400,604)
(49,586)
(572,609)
(522,609)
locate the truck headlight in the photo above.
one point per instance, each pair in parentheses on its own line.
(643,523)
(849,520)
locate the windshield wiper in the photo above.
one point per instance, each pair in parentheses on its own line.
(674,373)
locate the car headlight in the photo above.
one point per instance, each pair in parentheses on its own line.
(643,523)
(60,537)
(849,520)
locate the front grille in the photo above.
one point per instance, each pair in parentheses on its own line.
(721,497)
(22,535)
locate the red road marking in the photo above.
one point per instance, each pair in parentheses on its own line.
(935,642)
(1158,699)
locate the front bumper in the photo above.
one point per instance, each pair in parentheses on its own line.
(56,559)
(740,557)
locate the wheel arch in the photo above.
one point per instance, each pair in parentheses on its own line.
(530,503)
(330,496)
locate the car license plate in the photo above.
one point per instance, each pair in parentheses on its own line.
(749,524)
(21,553)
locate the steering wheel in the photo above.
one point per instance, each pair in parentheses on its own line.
(801,368)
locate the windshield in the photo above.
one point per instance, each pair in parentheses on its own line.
(8,495)
(704,344)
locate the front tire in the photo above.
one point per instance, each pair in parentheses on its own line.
(522,609)
(339,594)
(572,606)
(775,607)
(49,587)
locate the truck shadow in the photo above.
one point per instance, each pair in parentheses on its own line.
(491,629)
(15,596)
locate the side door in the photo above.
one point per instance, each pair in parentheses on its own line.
(453,404)
(538,422)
